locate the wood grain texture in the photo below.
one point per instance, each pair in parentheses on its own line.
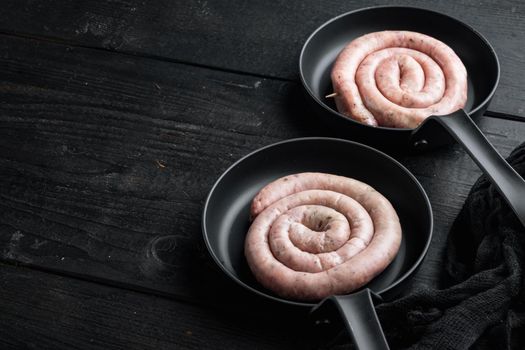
(105,170)
(45,311)
(115,120)
(106,160)
(251,37)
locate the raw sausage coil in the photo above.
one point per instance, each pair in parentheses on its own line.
(397,79)
(317,234)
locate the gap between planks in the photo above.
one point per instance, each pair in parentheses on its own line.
(58,41)
(110,283)
(63,42)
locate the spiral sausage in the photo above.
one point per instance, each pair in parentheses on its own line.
(397,79)
(317,234)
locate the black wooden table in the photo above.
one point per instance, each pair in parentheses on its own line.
(116,117)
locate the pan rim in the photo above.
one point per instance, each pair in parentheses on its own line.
(394,284)
(371,8)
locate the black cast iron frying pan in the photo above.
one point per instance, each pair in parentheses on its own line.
(322,47)
(226,220)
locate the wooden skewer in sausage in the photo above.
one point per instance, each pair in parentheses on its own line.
(317,234)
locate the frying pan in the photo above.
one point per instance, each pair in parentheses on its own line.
(226,221)
(322,47)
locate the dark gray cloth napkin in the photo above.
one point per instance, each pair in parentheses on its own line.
(483,303)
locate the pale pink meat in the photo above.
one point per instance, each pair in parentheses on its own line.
(398,79)
(317,234)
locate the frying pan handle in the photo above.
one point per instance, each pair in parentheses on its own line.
(503,176)
(358,315)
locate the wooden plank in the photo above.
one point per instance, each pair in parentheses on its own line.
(45,311)
(249,37)
(106,161)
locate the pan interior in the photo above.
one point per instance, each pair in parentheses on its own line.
(226,215)
(322,48)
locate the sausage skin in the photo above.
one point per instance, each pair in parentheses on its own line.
(398,79)
(316,234)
